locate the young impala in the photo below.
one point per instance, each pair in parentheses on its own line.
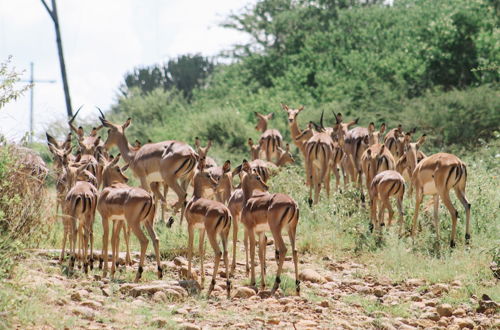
(125,206)
(436,175)
(211,217)
(263,212)
(270,139)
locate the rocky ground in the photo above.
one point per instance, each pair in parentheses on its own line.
(335,294)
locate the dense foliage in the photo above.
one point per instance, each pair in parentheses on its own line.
(429,63)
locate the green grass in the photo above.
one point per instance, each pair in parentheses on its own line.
(370,306)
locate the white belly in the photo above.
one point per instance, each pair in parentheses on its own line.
(154,177)
(117,217)
(430,188)
(262,227)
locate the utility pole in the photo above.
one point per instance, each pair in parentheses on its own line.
(53,14)
(32,81)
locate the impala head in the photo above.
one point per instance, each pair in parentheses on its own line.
(111,172)
(202,151)
(263,119)
(411,150)
(60,155)
(251,180)
(203,178)
(285,156)
(254,149)
(115,132)
(374,136)
(78,172)
(292,113)
(89,144)
(59,145)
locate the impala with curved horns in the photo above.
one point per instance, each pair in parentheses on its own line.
(154,163)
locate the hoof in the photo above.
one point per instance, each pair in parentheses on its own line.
(467,239)
(170,222)
(310,201)
(370,226)
(452,244)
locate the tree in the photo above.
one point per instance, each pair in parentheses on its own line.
(8,78)
(183,73)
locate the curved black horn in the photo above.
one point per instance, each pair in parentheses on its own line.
(102,115)
(74,116)
(321,119)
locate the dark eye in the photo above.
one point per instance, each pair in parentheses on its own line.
(258,178)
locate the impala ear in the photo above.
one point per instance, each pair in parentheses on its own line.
(407,138)
(67,143)
(353,122)
(284,106)
(400,128)
(270,115)
(51,140)
(369,152)
(413,130)
(226,167)
(250,142)
(197,142)
(209,144)
(97,141)
(382,148)
(124,168)
(80,132)
(115,160)
(371,127)
(52,148)
(382,128)
(237,170)
(245,166)
(287,147)
(338,117)
(366,140)
(421,140)
(257,114)
(301,108)
(102,160)
(127,123)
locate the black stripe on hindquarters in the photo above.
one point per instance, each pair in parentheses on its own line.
(192,164)
(448,177)
(182,165)
(390,189)
(283,216)
(458,175)
(219,221)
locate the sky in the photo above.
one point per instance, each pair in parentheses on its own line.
(102,40)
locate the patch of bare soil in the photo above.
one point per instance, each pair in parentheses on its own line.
(335,294)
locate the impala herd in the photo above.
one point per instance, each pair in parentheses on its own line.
(389,163)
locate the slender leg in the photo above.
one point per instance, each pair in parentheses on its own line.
(115,241)
(262,247)
(212,238)
(281,247)
(436,216)
(460,192)
(445,196)
(156,244)
(74,233)
(251,237)
(201,249)
(388,206)
(399,204)
(66,229)
(143,240)
(224,238)
(418,201)
(291,234)
(381,211)
(105,240)
(245,243)
(235,239)
(126,238)
(190,248)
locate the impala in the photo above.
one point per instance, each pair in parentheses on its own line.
(203,151)
(395,141)
(319,152)
(224,177)
(263,212)
(154,163)
(79,207)
(125,205)
(270,139)
(211,217)
(295,131)
(375,159)
(383,186)
(436,175)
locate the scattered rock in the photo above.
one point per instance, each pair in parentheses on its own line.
(264,294)
(244,292)
(191,286)
(306,324)
(79,295)
(459,312)
(159,322)
(106,292)
(379,292)
(310,275)
(445,310)
(148,289)
(125,288)
(318,310)
(183,273)
(456,283)
(160,297)
(430,316)
(464,323)
(273,321)
(438,289)
(189,326)
(415,282)
(285,301)
(180,261)
(173,295)
(84,312)
(91,304)
(325,303)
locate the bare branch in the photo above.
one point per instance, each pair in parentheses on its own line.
(48,10)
